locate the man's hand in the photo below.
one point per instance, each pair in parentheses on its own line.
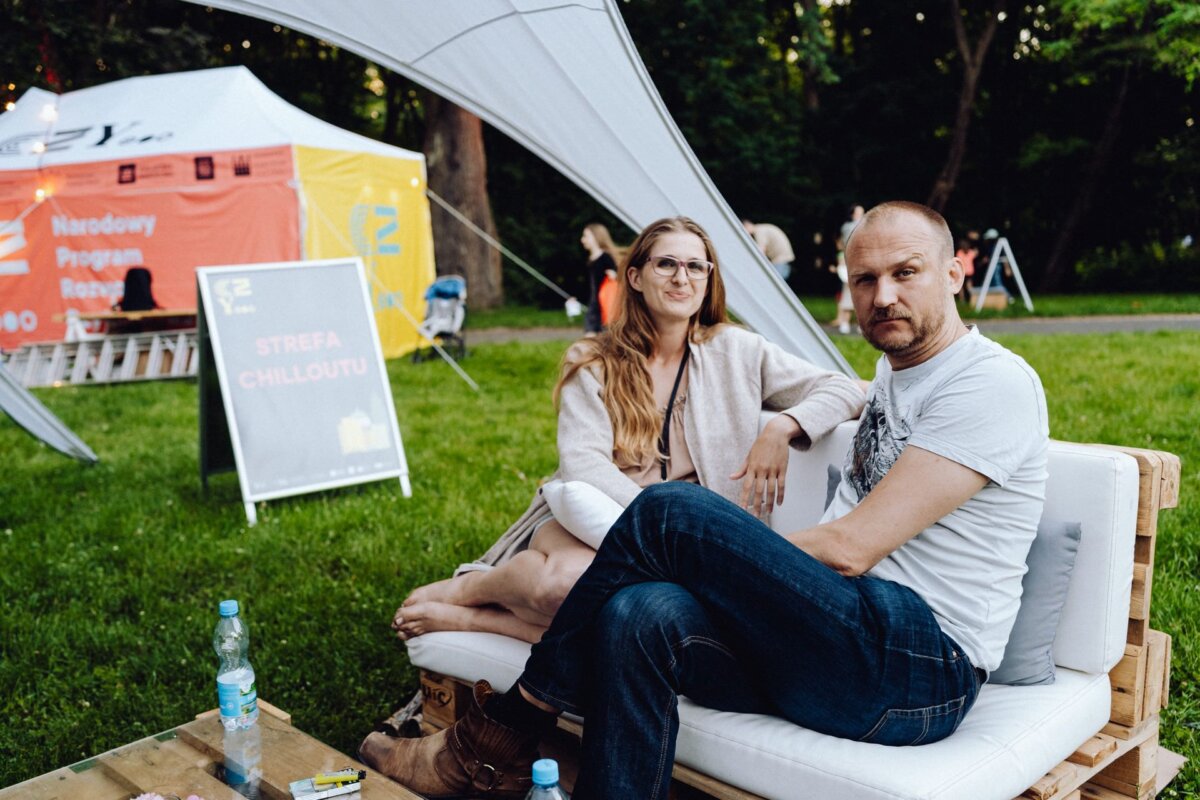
(765,468)
(919,489)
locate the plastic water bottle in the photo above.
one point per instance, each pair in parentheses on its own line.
(545,781)
(243,761)
(236,694)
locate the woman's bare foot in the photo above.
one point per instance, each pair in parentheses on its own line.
(451,590)
(421,618)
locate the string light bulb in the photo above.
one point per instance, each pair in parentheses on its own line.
(49,113)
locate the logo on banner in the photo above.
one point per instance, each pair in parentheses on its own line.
(230,293)
(241,166)
(12,239)
(375,231)
(24,320)
(205,169)
(127,173)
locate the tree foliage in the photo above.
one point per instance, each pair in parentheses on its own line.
(1079,137)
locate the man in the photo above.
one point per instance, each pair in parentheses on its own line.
(878,625)
(774,244)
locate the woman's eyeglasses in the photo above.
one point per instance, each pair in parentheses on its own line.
(667,266)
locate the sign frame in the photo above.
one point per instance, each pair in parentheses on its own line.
(1002,253)
(219,431)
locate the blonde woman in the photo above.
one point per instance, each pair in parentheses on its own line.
(671,391)
(602,265)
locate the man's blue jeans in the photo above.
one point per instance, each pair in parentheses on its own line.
(690,595)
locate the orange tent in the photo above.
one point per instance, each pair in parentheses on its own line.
(179,171)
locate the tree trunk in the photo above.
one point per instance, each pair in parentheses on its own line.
(972,59)
(1055,274)
(458,174)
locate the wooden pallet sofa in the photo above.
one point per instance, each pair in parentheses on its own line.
(1093,733)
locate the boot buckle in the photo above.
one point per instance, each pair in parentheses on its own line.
(494,777)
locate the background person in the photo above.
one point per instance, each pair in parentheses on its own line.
(601,266)
(845,304)
(966,252)
(670,392)
(774,244)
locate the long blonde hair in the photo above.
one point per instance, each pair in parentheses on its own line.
(622,352)
(604,240)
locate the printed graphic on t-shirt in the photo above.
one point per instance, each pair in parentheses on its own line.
(877,444)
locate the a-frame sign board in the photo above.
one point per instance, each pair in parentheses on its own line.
(294,394)
(1002,252)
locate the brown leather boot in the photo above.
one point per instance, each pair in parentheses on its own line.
(474,757)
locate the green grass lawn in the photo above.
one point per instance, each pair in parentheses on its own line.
(112,573)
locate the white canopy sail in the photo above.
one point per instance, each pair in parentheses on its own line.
(563,78)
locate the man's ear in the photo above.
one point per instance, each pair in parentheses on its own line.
(955,275)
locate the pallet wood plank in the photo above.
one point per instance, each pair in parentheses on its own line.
(68,784)
(1092,792)
(1138,607)
(1127,732)
(1166,685)
(1094,750)
(164,767)
(1049,784)
(1133,772)
(1128,679)
(263,706)
(1157,645)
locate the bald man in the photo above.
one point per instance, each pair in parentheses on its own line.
(879,624)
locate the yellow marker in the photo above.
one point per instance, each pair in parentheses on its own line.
(343,776)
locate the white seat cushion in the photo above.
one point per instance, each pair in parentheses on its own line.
(1013,736)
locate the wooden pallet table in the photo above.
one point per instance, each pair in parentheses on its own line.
(190,759)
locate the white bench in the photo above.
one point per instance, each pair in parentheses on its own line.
(1096,724)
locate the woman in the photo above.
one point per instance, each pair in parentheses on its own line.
(602,264)
(670,392)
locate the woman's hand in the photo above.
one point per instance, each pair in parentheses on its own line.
(765,469)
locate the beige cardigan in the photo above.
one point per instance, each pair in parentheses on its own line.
(732,377)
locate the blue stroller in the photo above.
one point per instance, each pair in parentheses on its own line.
(445,313)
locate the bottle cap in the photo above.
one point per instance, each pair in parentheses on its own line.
(229,608)
(545,772)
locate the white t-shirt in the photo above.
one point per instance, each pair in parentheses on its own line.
(982,406)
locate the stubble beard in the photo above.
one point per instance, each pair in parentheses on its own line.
(921,331)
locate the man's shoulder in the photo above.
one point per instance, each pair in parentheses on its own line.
(989,381)
(994,363)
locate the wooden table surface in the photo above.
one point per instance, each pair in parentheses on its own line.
(190,760)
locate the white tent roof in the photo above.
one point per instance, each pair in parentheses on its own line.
(564,79)
(158,114)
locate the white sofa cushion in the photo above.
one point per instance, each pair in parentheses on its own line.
(582,509)
(1098,488)
(1013,735)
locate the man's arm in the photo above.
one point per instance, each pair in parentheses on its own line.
(919,489)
